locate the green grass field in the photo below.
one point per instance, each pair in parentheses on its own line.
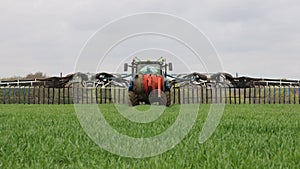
(248,136)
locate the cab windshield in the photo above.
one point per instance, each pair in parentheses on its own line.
(149,69)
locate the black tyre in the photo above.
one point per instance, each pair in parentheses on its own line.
(133,98)
(165,100)
(168,103)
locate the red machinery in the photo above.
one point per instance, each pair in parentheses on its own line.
(149,78)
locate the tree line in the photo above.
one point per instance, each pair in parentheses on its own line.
(36,75)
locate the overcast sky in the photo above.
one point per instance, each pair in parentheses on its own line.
(254,38)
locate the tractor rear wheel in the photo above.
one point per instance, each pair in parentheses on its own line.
(167,93)
(165,100)
(133,98)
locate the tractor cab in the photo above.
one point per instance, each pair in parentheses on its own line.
(154,69)
(158,67)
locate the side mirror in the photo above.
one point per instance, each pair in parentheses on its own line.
(170,66)
(125,67)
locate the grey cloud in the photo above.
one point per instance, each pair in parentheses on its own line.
(259,38)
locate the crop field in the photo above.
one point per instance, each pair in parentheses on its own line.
(248,136)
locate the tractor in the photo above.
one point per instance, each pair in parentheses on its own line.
(148,83)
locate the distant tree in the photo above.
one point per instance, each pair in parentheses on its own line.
(31,76)
(37,75)
(11,78)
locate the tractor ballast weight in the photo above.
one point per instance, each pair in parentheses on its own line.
(149,78)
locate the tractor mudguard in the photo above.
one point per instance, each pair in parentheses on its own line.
(138,86)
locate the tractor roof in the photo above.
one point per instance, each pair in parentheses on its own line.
(161,60)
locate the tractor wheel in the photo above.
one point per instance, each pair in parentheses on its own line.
(165,100)
(133,98)
(167,93)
